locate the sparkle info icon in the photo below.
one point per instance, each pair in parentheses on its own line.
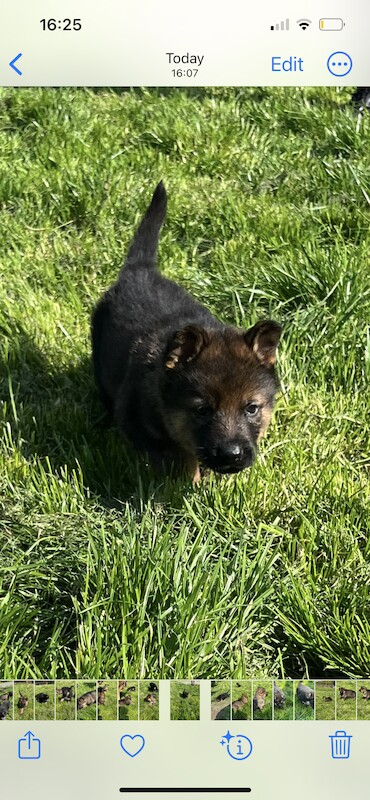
(238,746)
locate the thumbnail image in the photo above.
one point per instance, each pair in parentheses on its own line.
(44,700)
(262,699)
(241,705)
(304,705)
(23,700)
(346,699)
(128,700)
(363,699)
(86,694)
(107,700)
(283,700)
(65,700)
(148,700)
(325,700)
(220,700)
(6,700)
(185,700)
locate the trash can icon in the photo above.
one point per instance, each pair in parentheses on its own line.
(340,744)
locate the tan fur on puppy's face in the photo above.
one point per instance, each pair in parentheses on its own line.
(221,393)
(266,414)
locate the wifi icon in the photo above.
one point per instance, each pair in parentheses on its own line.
(304,23)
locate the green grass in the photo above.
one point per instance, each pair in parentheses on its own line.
(346,709)
(185,707)
(106,569)
(302,712)
(65,709)
(130,712)
(288,711)
(109,710)
(89,712)
(146,710)
(324,710)
(26,690)
(45,711)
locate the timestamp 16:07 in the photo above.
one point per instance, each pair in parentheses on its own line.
(184,73)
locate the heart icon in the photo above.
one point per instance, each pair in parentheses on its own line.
(132,745)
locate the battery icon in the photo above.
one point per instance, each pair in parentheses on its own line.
(331,24)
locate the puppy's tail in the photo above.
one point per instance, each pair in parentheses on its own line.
(143,250)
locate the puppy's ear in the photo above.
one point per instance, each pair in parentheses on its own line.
(263,340)
(185,345)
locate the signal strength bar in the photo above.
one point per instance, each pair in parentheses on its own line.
(280,26)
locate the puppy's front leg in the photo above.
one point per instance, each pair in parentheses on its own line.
(192,465)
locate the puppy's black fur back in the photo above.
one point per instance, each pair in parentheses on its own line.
(142,301)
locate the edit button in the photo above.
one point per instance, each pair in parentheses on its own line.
(290,64)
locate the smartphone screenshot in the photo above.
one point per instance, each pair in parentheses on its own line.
(184,400)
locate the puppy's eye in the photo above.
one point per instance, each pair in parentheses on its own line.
(202,410)
(252,409)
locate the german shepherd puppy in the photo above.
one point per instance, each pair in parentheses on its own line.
(237,705)
(102,690)
(121,686)
(181,385)
(66,693)
(4,709)
(279,697)
(86,699)
(151,699)
(346,694)
(22,703)
(42,697)
(126,700)
(223,696)
(305,694)
(259,699)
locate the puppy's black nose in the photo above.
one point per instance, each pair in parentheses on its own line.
(234,454)
(230,452)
